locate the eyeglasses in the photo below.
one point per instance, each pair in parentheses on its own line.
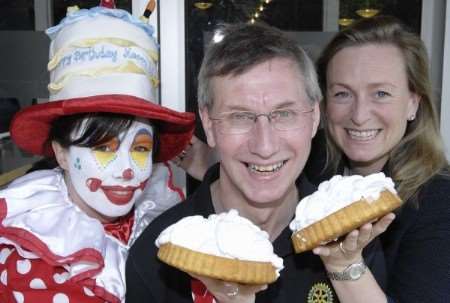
(241,122)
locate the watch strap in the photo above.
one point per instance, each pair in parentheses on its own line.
(351,273)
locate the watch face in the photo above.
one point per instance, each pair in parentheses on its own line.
(352,272)
(355,271)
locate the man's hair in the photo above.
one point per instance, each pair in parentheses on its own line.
(420,154)
(244,46)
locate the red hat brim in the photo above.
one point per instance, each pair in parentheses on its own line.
(30,127)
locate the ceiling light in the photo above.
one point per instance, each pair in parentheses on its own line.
(367,12)
(202,5)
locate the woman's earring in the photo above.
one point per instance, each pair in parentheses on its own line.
(412,117)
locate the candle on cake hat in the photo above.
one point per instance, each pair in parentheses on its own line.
(151,5)
(108,3)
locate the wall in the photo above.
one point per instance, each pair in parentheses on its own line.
(445,100)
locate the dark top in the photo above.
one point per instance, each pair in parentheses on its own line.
(416,244)
(417,247)
(302,279)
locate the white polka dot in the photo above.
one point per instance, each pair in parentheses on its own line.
(23,266)
(4,277)
(4,254)
(37,284)
(60,298)
(18,296)
(61,278)
(88,292)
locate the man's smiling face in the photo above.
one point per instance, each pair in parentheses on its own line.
(262,164)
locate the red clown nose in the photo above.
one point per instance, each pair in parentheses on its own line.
(128,174)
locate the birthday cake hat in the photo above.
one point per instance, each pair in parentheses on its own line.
(102,60)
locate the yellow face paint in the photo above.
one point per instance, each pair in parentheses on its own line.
(106,152)
(141,149)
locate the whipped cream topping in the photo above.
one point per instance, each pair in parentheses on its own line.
(337,193)
(226,235)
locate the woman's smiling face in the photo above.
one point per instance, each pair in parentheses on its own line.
(368,103)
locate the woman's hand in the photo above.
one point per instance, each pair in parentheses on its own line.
(229,292)
(196,158)
(336,256)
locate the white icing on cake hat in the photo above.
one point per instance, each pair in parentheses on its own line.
(102,60)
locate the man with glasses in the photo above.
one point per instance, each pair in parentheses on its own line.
(258,102)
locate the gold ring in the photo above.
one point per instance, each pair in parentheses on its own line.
(341,248)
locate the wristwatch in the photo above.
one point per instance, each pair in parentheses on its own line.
(351,273)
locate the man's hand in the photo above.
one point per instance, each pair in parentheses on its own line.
(230,292)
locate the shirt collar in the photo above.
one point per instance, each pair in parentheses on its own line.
(283,243)
(202,196)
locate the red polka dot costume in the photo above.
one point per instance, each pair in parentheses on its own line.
(102,60)
(50,251)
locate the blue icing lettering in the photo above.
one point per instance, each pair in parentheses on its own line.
(80,55)
(92,54)
(102,54)
(65,61)
(130,54)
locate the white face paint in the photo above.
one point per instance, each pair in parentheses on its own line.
(109,177)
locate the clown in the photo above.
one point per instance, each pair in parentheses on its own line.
(65,232)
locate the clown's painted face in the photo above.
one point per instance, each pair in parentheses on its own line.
(109,177)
